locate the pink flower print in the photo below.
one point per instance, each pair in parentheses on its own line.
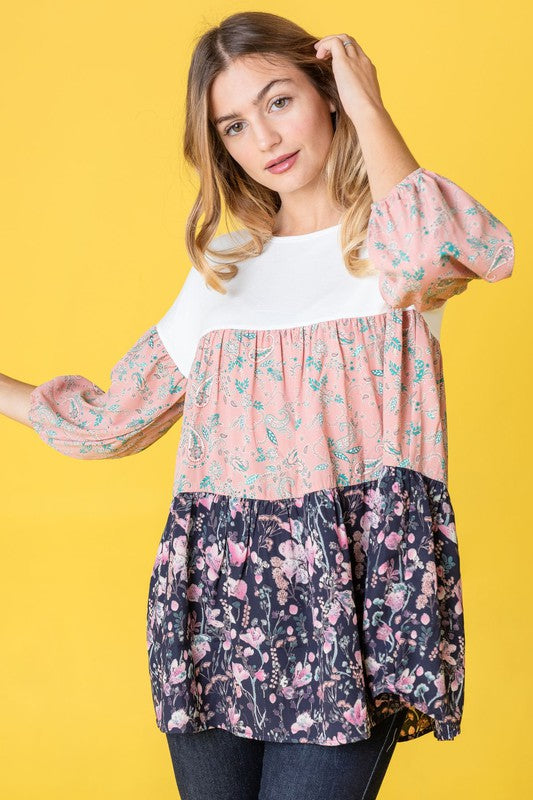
(184,522)
(162,554)
(388,569)
(288,692)
(233,715)
(236,507)
(342,536)
(356,715)
(424,619)
(330,637)
(161,585)
(194,592)
(405,682)
(239,673)
(179,719)
(178,672)
(211,615)
(446,649)
(372,497)
(383,632)
(372,666)
(395,599)
(429,582)
(213,557)
(303,723)
(334,612)
(316,622)
(178,561)
(238,552)
(448,531)
(237,588)
(440,684)
(206,501)
(395,488)
(293,561)
(260,675)
(369,520)
(302,675)
(199,647)
(311,551)
(253,636)
(398,508)
(392,540)
(457,591)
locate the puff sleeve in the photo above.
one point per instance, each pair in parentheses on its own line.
(145,398)
(429,238)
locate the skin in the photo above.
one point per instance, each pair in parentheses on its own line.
(274,127)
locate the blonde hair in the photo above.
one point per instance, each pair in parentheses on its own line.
(248,202)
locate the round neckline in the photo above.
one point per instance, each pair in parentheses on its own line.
(299,236)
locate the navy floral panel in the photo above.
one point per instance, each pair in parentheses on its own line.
(312,618)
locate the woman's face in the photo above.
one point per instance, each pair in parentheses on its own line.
(289,116)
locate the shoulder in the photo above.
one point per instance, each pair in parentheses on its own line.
(182,325)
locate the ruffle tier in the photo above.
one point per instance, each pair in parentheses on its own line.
(309,619)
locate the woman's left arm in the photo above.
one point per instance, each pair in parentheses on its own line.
(427,236)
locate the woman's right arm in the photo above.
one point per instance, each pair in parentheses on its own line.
(76,417)
(15,399)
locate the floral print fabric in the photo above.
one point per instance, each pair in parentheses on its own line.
(309,619)
(278,413)
(429,238)
(145,398)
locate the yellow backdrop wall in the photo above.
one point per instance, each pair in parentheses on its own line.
(94,200)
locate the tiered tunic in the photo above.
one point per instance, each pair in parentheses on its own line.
(307,581)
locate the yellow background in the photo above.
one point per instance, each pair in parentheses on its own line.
(94,200)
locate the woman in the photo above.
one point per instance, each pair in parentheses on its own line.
(305,606)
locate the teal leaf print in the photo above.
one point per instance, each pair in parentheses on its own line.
(242,385)
(272,436)
(315,384)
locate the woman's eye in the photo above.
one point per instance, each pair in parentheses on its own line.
(228,131)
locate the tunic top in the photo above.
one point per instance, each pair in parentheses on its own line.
(307,581)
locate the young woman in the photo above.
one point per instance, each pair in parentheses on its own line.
(304,610)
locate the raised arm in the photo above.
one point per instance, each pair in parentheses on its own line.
(76,417)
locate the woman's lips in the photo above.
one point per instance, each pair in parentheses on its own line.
(283,166)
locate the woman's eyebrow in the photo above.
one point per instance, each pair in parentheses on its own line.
(262,92)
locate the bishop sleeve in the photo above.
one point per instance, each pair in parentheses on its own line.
(145,398)
(429,238)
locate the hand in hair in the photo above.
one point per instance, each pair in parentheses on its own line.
(354,72)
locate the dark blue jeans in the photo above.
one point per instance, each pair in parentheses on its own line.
(218,765)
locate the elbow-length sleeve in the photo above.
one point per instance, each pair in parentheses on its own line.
(145,398)
(429,238)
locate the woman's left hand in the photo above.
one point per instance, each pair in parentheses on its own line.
(355,74)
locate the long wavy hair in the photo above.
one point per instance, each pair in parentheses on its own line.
(249,204)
